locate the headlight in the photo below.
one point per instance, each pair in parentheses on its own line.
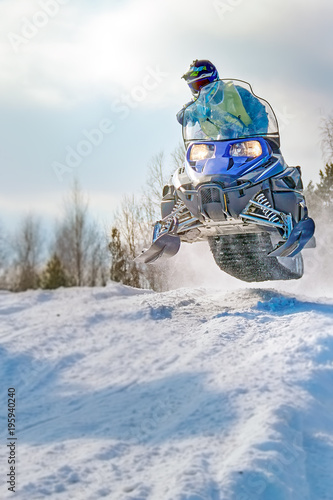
(251,149)
(201,152)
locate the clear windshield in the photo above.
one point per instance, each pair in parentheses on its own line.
(228,109)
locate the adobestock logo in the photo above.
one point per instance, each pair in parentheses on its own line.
(152,79)
(75,155)
(121,108)
(224,8)
(31,27)
(284,118)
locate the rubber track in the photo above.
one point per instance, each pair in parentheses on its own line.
(245,257)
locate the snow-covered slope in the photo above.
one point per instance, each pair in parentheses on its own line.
(191,394)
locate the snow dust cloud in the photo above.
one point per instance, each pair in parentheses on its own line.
(194,266)
(317,279)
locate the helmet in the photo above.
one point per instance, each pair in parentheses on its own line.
(201,73)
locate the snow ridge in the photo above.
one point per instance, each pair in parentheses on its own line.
(191,394)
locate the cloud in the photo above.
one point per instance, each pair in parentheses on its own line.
(77,53)
(101,206)
(16,206)
(81,51)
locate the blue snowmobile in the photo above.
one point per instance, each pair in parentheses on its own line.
(235,190)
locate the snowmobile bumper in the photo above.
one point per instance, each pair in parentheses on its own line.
(298,238)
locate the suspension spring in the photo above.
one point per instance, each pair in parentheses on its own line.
(261,198)
(180,211)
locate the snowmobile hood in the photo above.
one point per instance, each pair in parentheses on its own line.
(224,162)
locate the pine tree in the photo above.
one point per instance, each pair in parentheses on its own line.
(319,196)
(54,275)
(118,257)
(325,186)
(123,269)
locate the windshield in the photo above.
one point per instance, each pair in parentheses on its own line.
(228,109)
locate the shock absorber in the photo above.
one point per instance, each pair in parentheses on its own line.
(271,216)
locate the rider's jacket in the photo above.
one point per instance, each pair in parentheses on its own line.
(225,105)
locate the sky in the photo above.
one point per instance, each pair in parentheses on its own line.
(89,90)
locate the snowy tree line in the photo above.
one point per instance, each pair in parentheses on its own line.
(83,254)
(132,228)
(319,196)
(80,252)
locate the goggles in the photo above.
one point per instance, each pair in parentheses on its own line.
(197,85)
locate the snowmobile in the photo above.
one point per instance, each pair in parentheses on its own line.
(235,190)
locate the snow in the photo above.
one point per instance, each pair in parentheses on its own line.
(197,393)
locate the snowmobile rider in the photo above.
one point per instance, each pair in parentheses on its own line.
(224,105)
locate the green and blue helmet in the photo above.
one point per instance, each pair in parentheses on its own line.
(200,73)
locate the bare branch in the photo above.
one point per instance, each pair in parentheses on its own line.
(326,129)
(79,242)
(27,249)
